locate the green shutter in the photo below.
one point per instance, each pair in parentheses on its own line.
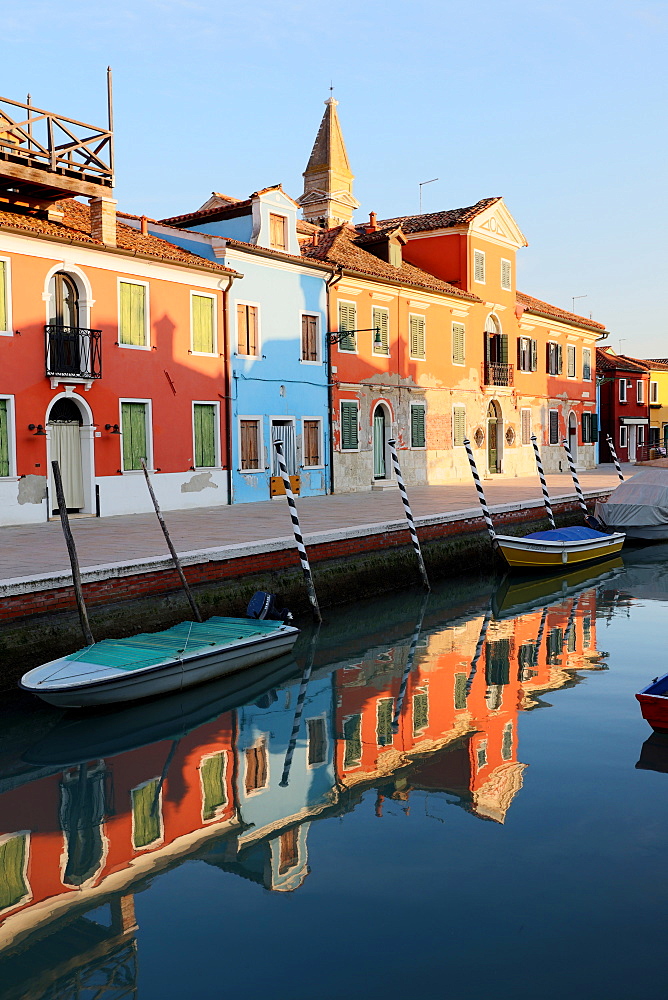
(381,318)
(146,814)
(560,359)
(352,736)
(385,711)
(417,348)
(593,428)
(420,712)
(460,692)
(204,416)
(534,356)
(13,887)
(202,319)
(417,427)
(503,349)
(3,295)
(347,321)
(133,317)
(507,743)
(212,772)
(349,440)
(133,426)
(4,439)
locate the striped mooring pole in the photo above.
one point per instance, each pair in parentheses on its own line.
(574,476)
(478,649)
(306,569)
(409,513)
(571,620)
(614,457)
(299,708)
(409,666)
(481,495)
(543,484)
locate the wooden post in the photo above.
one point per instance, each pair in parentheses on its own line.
(175,558)
(72,552)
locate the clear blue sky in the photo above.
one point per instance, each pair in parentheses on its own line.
(558,106)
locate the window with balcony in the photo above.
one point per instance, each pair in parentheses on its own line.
(496,369)
(71,350)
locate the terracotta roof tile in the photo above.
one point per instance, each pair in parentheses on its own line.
(617,362)
(217,212)
(439,220)
(541,308)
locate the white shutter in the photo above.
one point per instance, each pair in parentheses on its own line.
(458,343)
(505,275)
(479,266)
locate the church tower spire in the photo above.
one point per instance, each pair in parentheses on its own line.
(328,182)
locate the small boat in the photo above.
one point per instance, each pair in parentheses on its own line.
(558,547)
(639,506)
(654,753)
(654,703)
(520,594)
(156,663)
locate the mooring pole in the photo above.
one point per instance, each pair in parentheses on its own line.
(543,484)
(409,513)
(409,665)
(571,620)
(481,495)
(299,708)
(478,649)
(72,552)
(614,457)
(306,569)
(574,476)
(175,558)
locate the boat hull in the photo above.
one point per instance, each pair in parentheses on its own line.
(654,709)
(527,553)
(163,678)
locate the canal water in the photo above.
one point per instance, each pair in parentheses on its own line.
(471,807)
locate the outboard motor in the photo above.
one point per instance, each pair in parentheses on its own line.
(593,522)
(263,605)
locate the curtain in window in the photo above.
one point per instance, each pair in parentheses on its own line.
(13,885)
(66,450)
(82,809)
(204,415)
(4,439)
(203,339)
(212,773)
(146,814)
(133,319)
(285,432)
(133,427)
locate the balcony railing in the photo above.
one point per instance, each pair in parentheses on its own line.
(496,373)
(73,351)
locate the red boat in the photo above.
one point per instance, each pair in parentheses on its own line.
(654,703)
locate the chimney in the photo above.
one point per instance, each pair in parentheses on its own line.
(371,225)
(144,225)
(314,238)
(103,220)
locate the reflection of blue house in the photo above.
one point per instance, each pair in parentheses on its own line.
(277,337)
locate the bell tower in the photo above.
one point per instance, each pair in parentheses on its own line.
(328,182)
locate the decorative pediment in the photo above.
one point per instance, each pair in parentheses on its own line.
(316,196)
(497,224)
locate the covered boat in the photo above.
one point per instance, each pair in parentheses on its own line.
(558,547)
(654,703)
(155,663)
(639,506)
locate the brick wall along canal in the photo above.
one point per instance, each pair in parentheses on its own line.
(498,841)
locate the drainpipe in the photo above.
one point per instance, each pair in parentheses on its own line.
(228,390)
(334,279)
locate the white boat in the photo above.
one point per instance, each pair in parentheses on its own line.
(155,663)
(639,506)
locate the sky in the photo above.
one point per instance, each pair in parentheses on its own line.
(557,106)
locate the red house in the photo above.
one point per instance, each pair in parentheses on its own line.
(624,405)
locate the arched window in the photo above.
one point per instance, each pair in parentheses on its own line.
(64,301)
(497,370)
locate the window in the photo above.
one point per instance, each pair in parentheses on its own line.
(623,437)
(526,426)
(640,391)
(641,435)
(479,266)
(586,364)
(352,741)
(481,754)
(622,390)
(654,392)
(460,692)
(586,632)
(13,865)
(380,319)
(348,321)
(310,338)
(205,427)
(384,712)
(256,767)
(4,437)
(317,741)
(554,426)
(203,320)
(654,437)
(527,354)
(555,364)
(134,435)
(5,322)
(214,793)
(420,712)
(417,344)
(349,435)
(146,814)
(247,338)
(133,327)
(311,444)
(505,275)
(417,426)
(571,361)
(458,425)
(555,645)
(249,433)
(277,231)
(458,343)
(288,850)
(507,741)
(589,428)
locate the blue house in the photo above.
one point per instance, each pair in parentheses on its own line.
(276,334)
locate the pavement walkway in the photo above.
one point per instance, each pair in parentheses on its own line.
(40,548)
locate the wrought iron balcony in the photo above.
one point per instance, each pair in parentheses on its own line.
(496,373)
(73,351)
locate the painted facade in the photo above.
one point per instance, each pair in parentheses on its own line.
(625,407)
(658,406)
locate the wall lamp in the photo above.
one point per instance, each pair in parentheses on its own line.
(339,335)
(38,430)
(113,428)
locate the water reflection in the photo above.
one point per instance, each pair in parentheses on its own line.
(425,709)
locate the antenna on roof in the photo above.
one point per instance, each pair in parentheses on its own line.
(432,181)
(574,297)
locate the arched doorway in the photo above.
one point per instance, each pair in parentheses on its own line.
(381,425)
(573,436)
(494,437)
(65,422)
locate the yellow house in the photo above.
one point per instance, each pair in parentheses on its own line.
(658,402)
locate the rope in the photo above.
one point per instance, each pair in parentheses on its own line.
(574,475)
(478,649)
(614,457)
(409,666)
(409,512)
(299,708)
(543,484)
(481,495)
(301,548)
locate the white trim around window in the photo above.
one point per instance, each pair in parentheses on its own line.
(318,338)
(27,896)
(506,273)
(376,349)
(423,407)
(146,346)
(7,261)
(640,391)
(259,419)
(523,418)
(148,403)
(161,819)
(346,302)
(460,328)
(11,436)
(214,352)
(479,267)
(256,305)
(356,404)
(216,431)
(423,321)
(623,436)
(623,387)
(321,443)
